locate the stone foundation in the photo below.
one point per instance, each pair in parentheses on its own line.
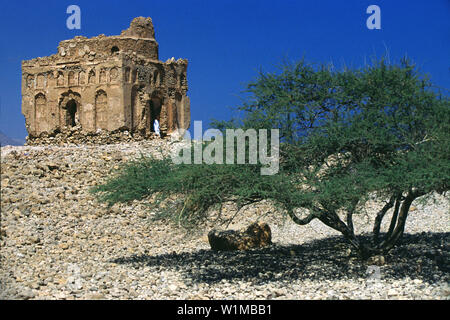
(75,135)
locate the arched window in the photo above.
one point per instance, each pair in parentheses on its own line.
(40,81)
(71,78)
(82,77)
(40,101)
(115,50)
(102,76)
(60,79)
(91,78)
(113,74)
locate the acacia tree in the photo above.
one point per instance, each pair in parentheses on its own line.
(352,134)
(346,136)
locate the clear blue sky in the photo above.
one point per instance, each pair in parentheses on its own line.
(226,42)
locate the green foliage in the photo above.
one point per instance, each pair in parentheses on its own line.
(345,135)
(199,186)
(135,180)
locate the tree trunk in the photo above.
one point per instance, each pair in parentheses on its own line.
(394,234)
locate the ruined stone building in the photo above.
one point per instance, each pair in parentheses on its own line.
(106,82)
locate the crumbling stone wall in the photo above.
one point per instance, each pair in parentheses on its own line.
(111,84)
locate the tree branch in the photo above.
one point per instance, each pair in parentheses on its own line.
(332,220)
(302,221)
(350,217)
(403,214)
(379,219)
(393,219)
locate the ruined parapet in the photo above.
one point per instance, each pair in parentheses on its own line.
(140,27)
(111,84)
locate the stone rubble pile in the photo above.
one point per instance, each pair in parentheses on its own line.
(58,242)
(75,135)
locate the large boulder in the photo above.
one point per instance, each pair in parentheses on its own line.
(257,235)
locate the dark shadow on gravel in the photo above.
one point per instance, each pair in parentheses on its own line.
(420,256)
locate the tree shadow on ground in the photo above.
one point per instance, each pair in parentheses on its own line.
(422,256)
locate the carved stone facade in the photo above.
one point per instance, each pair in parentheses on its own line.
(106,84)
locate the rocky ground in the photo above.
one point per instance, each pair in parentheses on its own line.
(58,242)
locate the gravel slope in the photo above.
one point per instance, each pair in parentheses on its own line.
(59,243)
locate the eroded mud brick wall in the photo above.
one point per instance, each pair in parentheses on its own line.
(106,82)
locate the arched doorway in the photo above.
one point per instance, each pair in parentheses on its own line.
(72,116)
(155,112)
